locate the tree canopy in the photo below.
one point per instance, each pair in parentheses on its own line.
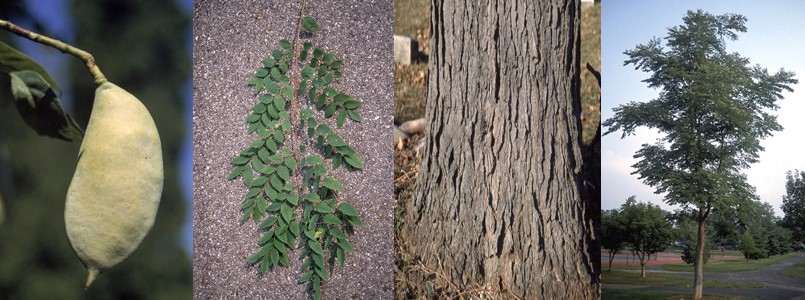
(645,229)
(794,204)
(712,110)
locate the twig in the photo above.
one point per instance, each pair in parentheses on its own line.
(87,58)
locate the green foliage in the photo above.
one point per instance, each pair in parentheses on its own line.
(794,205)
(645,229)
(612,233)
(282,179)
(34,93)
(713,109)
(749,249)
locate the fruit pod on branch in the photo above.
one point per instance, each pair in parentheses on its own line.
(114,194)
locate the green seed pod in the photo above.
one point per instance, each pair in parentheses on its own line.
(115,191)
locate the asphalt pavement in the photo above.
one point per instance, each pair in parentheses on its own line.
(230,38)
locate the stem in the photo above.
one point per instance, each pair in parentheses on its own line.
(294,113)
(84,56)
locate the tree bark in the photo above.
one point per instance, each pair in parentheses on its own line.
(500,203)
(698,276)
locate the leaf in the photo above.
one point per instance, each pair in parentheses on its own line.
(355,221)
(305,277)
(268,222)
(313,160)
(12,60)
(253,259)
(331,219)
(285,44)
(333,184)
(315,246)
(335,140)
(328,112)
(324,208)
(269,62)
(307,72)
(236,172)
(347,209)
(264,265)
(290,162)
(339,254)
(283,172)
(354,161)
(261,73)
(342,116)
(352,104)
(346,245)
(309,24)
(355,116)
(341,98)
(294,227)
(322,272)
(40,108)
(287,212)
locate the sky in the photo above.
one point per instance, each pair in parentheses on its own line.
(58,21)
(775,39)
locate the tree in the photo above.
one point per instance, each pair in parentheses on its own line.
(612,233)
(749,248)
(645,230)
(139,46)
(500,203)
(713,110)
(794,205)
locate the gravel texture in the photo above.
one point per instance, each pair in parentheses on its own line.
(230,38)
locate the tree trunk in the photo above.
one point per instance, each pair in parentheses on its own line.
(500,203)
(698,276)
(611,257)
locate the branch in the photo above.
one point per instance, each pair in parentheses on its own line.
(84,56)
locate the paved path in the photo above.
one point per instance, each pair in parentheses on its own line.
(776,285)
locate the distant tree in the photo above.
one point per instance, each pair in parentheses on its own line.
(645,230)
(612,235)
(794,205)
(713,110)
(749,248)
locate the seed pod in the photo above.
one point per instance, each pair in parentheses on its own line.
(115,192)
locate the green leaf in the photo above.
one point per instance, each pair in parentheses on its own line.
(313,160)
(336,64)
(355,116)
(339,254)
(328,57)
(261,73)
(294,227)
(309,24)
(328,112)
(331,219)
(283,172)
(355,162)
(269,62)
(274,207)
(236,172)
(333,184)
(315,246)
(277,54)
(268,222)
(341,98)
(12,60)
(287,212)
(335,140)
(352,104)
(347,209)
(240,160)
(355,221)
(346,245)
(307,72)
(40,107)
(253,192)
(274,255)
(305,277)
(342,116)
(276,183)
(322,272)
(264,265)
(254,258)
(279,103)
(285,44)
(324,208)
(290,162)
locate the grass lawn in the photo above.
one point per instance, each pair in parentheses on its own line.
(661,279)
(797,270)
(652,295)
(730,265)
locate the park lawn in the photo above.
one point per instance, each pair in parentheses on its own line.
(730,265)
(664,279)
(796,271)
(652,295)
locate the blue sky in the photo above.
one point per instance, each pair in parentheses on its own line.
(57,20)
(774,40)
